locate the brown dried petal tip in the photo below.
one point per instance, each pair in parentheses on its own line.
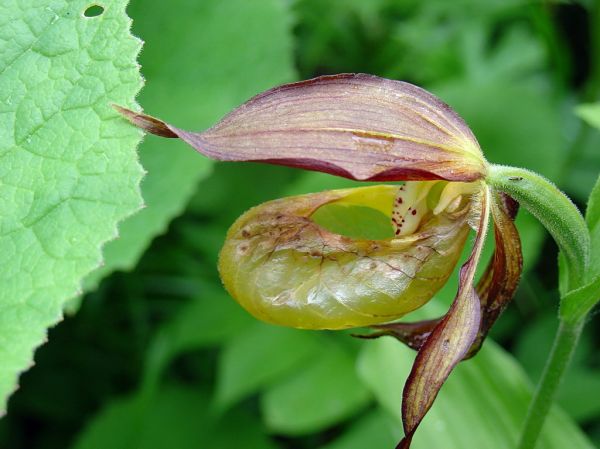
(146,122)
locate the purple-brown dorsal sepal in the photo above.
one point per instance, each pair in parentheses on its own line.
(352,125)
(449,341)
(500,280)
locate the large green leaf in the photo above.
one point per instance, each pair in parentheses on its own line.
(69,170)
(217,55)
(482,405)
(326,391)
(592,218)
(575,397)
(206,320)
(261,355)
(532,349)
(590,112)
(585,157)
(375,430)
(179,418)
(592,215)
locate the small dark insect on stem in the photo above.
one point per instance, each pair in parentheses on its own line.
(515,178)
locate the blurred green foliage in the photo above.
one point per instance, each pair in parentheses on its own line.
(161,357)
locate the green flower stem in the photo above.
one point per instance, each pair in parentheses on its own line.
(566,225)
(565,343)
(553,209)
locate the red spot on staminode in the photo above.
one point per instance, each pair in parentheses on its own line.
(414,212)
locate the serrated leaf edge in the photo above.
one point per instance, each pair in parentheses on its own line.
(115,234)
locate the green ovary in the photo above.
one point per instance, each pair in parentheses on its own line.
(286,269)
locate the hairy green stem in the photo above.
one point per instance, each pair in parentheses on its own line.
(568,228)
(553,209)
(565,343)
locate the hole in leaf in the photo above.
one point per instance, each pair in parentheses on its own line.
(93,11)
(358,222)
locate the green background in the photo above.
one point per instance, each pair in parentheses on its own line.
(156,355)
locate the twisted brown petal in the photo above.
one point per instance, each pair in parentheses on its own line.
(498,284)
(449,341)
(352,125)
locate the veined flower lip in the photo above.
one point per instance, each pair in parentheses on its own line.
(282,266)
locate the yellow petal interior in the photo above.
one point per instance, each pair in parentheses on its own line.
(286,269)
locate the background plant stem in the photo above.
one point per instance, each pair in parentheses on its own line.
(564,346)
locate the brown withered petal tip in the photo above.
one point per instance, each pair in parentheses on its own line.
(146,122)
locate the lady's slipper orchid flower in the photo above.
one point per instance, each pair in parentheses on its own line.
(285,268)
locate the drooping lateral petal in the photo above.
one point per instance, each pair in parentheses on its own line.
(449,341)
(352,125)
(495,288)
(413,335)
(284,268)
(498,284)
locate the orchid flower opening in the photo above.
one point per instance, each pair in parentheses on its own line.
(285,268)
